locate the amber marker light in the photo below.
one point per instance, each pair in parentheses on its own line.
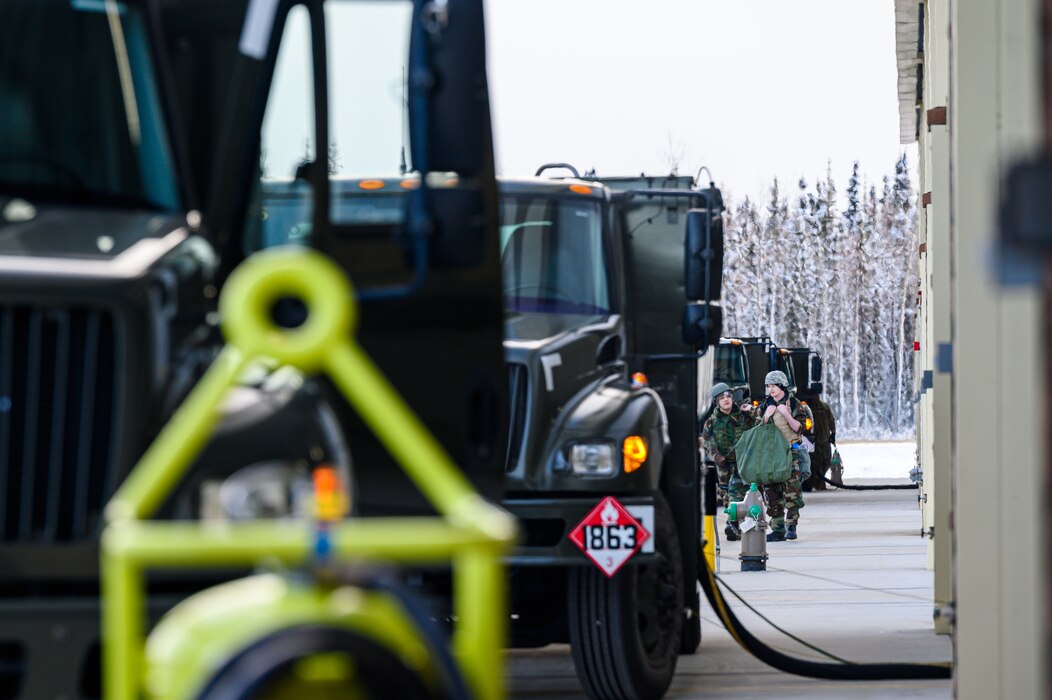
(410,184)
(437,180)
(635,450)
(371,184)
(808,423)
(639,380)
(329,500)
(581,189)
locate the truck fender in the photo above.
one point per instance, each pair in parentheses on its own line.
(278,416)
(613,411)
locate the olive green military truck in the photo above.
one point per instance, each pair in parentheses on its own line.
(135,136)
(605,291)
(607,325)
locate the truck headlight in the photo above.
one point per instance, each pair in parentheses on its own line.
(259,491)
(592,459)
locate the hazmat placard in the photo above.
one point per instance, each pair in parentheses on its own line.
(609,535)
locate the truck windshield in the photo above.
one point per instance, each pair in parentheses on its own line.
(786,366)
(552,258)
(730,365)
(80,114)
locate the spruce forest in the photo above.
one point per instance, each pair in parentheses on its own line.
(843,282)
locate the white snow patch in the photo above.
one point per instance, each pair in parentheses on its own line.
(878,460)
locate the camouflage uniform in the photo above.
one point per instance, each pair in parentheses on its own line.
(719,435)
(785,500)
(825,430)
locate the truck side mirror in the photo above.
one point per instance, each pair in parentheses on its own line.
(449,117)
(702,325)
(704,254)
(449,127)
(815,375)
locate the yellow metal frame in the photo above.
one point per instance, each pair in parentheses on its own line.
(470,533)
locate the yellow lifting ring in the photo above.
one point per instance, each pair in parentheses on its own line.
(300,273)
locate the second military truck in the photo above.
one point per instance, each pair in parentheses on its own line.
(605,292)
(606,289)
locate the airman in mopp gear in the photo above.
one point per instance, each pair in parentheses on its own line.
(721,431)
(825,435)
(784,500)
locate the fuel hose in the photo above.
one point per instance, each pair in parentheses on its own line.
(431,635)
(881,487)
(803,667)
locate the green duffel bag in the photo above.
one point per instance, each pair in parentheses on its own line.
(764,457)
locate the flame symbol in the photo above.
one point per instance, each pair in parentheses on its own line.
(610,514)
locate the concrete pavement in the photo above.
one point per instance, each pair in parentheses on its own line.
(854,584)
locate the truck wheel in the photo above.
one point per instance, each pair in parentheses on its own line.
(356,666)
(625,631)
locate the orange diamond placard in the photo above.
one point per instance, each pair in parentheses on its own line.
(609,535)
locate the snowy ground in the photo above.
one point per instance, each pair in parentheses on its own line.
(878,460)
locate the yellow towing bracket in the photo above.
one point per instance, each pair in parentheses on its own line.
(470,533)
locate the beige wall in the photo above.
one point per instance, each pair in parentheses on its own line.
(933,433)
(980,437)
(996,442)
(940,494)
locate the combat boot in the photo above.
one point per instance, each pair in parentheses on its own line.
(776,537)
(790,531)
(733,531)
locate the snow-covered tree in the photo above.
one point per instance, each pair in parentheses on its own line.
(876,320)
(775,248)
(843,284)
(851,281)
(742,296)
(827,338)
(902,233)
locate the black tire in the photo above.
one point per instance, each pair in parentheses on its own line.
(261,671)
(625,631)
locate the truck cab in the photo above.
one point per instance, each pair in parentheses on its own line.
(564,342)
(743,362)
(104,279)
(806,366)
(604,374)
(605,377)
(127,161)
(732,368)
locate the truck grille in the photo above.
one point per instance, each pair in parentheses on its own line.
(518,396)
(58,389)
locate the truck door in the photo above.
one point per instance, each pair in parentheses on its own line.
(326,93)
(759,365)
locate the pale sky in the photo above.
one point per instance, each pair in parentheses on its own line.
(750,88)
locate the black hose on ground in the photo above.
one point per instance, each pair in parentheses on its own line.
(812,669)
(882,487)
(433,638)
